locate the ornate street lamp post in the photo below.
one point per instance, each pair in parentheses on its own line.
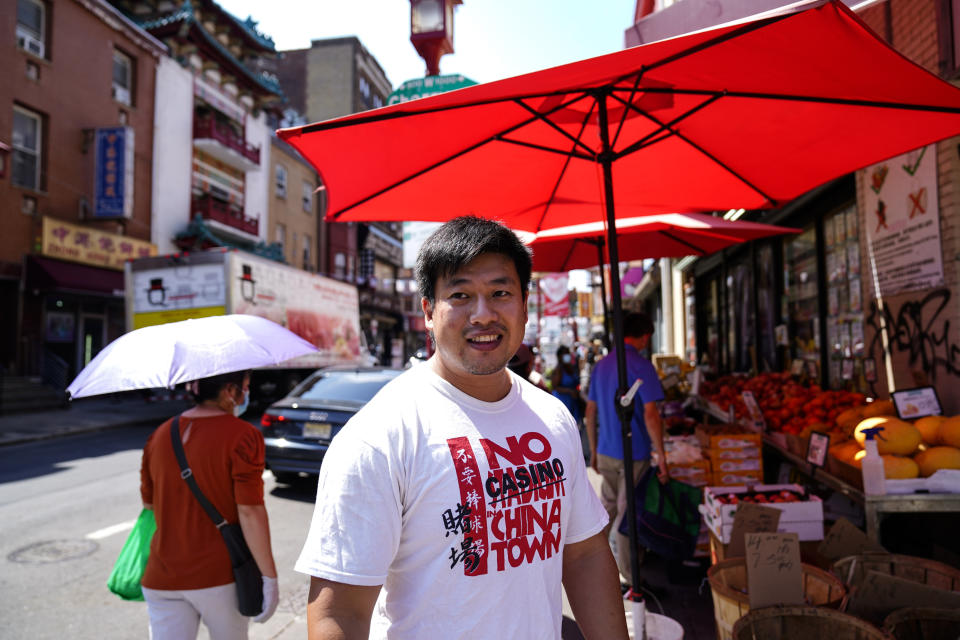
(431,30)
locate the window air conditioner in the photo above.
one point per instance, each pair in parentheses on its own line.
(29,42)
(120,94)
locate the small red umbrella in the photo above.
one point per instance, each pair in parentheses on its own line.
(747,115)
(668,235)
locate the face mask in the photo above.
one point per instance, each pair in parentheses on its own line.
(566,358)
(239,409)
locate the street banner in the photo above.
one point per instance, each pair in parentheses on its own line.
(903,222)
(556,299)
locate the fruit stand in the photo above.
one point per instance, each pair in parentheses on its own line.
(788,410)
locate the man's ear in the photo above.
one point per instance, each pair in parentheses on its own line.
(427,313)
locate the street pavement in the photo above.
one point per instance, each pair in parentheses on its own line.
(683,599)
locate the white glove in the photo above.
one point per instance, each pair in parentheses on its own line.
(271,597)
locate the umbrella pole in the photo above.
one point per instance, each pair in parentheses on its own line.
(606,163)
(603,296)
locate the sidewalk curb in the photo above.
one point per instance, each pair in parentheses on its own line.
(26,438)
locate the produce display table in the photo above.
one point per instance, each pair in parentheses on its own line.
(875,507)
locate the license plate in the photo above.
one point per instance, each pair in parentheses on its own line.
(317,430)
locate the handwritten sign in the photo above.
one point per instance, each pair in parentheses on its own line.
(796,367)
(846,539)
(751,518)
(774,574)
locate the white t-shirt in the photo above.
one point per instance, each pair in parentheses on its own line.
(460,508)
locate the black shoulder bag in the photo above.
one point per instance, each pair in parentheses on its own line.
(245,572)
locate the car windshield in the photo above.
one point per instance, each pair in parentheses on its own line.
(346,386)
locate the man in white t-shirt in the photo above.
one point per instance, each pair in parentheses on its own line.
(455,502)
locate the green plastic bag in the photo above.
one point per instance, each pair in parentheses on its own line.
(128,570)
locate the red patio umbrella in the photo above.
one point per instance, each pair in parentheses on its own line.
(750,114)
(668,235)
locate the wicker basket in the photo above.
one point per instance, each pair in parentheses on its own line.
(728,582)
(803,623)
(923,624)
(852,570)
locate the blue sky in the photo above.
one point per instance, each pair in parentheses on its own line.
(493,39)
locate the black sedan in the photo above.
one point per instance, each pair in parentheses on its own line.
(298,429)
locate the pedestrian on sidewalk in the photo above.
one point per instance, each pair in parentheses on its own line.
(189,576)
(522,364)
(604,431)
(565,382)
(456,501)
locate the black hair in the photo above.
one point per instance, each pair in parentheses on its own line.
(462,240)
(636,325)
(209,388)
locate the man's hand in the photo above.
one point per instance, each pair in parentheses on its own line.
(663,471)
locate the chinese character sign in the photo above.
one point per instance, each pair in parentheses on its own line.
(90,246)
(113,173)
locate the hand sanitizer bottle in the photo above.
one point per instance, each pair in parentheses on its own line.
(874,477)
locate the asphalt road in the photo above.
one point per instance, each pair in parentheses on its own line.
(66,507)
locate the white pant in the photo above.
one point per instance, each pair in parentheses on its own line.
(176,615)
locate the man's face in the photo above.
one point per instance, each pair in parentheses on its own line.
(477,320)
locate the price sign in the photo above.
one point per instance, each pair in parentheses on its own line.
(796,367)
(754,409)
(774,575)
(846,369)
(916,403)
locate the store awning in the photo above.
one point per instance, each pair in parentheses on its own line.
(46,274)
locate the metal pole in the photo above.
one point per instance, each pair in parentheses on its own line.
(603,295)
(606,162)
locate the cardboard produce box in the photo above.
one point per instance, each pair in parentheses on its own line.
(737,464)
(726,437)
(737,478)
(718,455)
(805,517)
(698,473)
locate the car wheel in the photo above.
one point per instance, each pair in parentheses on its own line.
(286,477)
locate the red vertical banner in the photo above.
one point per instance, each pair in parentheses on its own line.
(556,299)
(470,516)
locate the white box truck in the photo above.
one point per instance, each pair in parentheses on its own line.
(323,311)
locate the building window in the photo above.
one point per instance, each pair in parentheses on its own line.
(307,196)
(27,146)
(31,27)
(280,176)
(377,101)
(122,78)
(280,235)
(365,88)
(948,26)
(306,252)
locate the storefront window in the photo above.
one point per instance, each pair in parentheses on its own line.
(741,333)
(766,309)
(800,297)
(844,298)
(711,322)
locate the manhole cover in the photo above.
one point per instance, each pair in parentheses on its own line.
(50,551)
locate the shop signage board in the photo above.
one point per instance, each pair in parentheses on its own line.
(903,222)
(75,243)
(113,173)
(431,85)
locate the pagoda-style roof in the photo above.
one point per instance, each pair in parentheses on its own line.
(182,24)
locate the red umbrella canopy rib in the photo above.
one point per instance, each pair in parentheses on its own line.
(746,115)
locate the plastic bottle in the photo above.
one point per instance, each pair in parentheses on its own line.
(874,477)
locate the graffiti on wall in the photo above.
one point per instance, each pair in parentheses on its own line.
(921,330)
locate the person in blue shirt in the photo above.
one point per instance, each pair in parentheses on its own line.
(603,426)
